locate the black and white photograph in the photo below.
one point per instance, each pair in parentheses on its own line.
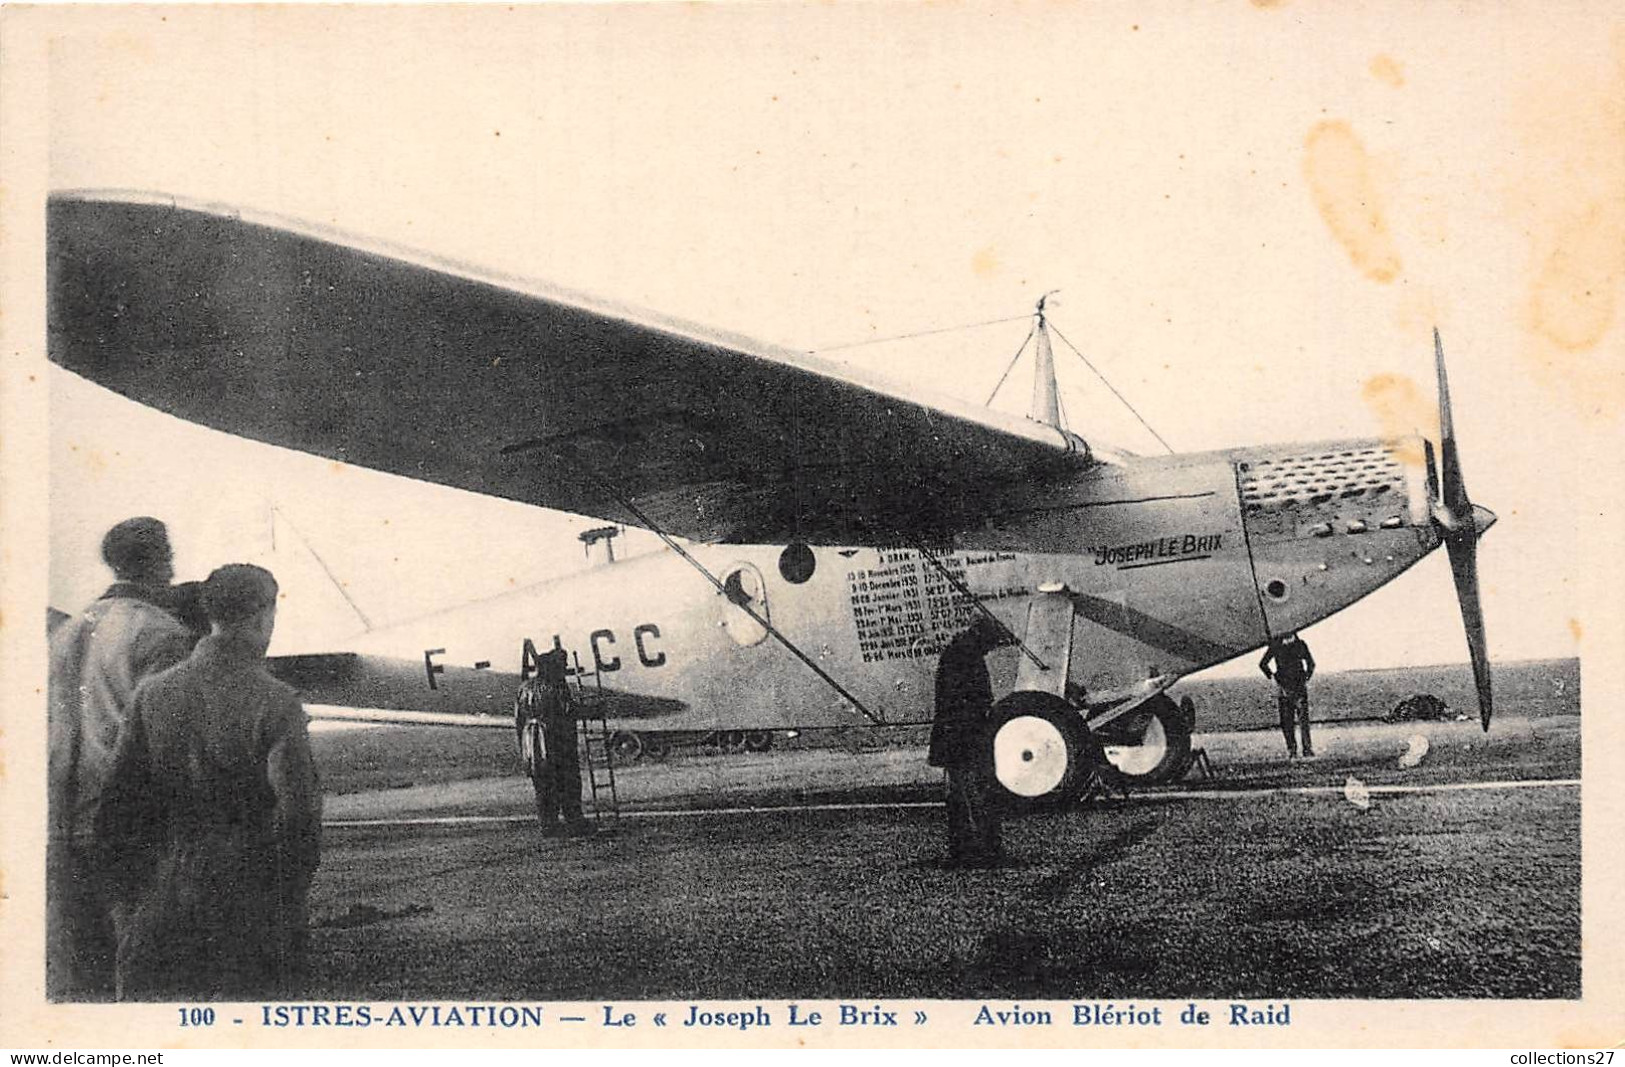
(1009,523)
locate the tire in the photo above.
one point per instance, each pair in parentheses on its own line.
(626,746)
(1040,754)
(731,741)
(758,740)
(1150,745)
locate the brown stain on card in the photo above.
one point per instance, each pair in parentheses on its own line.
(1573,300)
(1340,179)
(985,262)
(1401,407)
(1571,202)
(1387,70)
(1576,630)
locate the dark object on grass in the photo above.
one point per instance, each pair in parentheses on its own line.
(1424,707)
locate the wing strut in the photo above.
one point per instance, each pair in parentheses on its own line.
(672,544)
(964,591)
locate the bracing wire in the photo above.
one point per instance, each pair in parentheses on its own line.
(671,543)
(1012,366)
(320,562)
(1113,388)
(921,333)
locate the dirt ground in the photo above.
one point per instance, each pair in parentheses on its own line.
(1266,880)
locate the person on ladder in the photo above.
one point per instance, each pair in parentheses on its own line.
(545,712)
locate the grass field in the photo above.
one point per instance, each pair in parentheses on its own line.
(1532,688)
(1457,878)
(1430,895)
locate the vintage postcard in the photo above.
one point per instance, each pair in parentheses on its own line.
(811,524)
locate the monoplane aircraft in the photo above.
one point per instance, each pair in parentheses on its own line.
(828,533)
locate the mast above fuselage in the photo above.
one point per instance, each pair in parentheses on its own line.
(1046,393)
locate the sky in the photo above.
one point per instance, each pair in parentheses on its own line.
(1254,213)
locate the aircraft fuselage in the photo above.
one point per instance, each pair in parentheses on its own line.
(1172,563)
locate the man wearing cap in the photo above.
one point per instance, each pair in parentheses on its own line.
(213,814)
(96,661)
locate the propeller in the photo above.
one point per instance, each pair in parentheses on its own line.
(1462,523)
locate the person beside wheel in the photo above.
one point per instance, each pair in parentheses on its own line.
(964,699)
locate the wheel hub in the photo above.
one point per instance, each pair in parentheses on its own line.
(1029,756)
(1143,756)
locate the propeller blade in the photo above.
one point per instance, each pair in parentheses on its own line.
(1463,552)
(1454,488)
(1463,524)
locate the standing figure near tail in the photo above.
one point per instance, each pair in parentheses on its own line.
(545,717)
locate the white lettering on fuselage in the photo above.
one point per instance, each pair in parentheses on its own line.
(907,607)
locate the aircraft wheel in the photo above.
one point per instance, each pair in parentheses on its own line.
(731,740)
(1150,745)
(626,746)
(1042,755)
(758,740)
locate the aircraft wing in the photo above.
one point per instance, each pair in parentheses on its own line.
(285,334)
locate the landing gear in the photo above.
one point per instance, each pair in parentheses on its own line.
(724,741)
(1042,754)
(632,746)
(1150,745)
(626,746)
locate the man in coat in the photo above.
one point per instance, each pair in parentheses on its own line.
(554,759)
(213,815)
(96,660)
(964,698)
(1293,667)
